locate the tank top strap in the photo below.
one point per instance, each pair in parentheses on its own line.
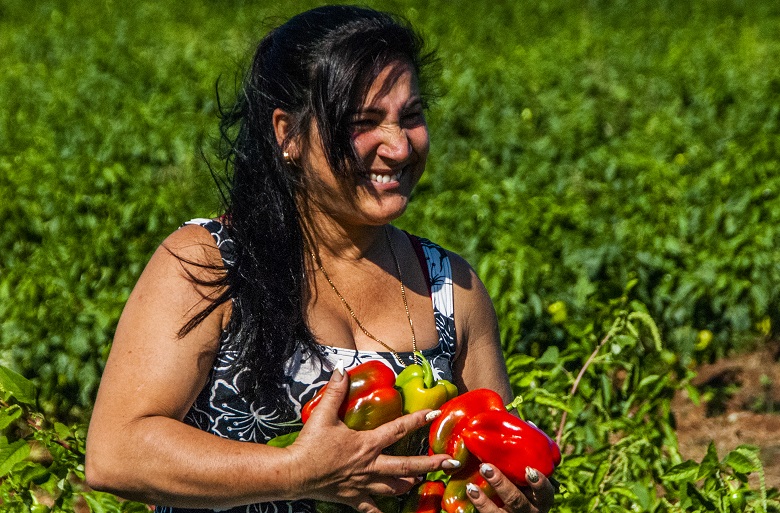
(438,274)
(221,238)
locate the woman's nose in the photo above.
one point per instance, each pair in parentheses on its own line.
(395,144)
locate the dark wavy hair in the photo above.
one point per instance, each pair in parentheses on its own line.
(317,67)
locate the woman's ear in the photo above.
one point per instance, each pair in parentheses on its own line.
(282,126)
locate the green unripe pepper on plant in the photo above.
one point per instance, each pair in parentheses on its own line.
(420,390)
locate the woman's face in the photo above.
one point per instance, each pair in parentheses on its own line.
(390,137)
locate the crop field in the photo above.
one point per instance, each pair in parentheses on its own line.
(611,169)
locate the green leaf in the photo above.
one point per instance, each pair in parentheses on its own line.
(685,471)
(21,388)
(552,401)
(710,463)
(601,473)
(31,472)
(9,415)
(550,356)
(12,454)
(625,492)
(644,495)
(283,440)
(740,462)
(521,360)
(101,502)
(62,430)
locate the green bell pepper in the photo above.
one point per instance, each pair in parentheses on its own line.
(419,389)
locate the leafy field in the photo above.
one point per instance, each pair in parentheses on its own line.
(589,160)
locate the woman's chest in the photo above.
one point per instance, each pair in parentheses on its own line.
(373,315)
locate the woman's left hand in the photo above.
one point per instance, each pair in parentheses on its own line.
(538,497)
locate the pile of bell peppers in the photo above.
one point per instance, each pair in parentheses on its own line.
(377,396)
(476,427)
(473,428)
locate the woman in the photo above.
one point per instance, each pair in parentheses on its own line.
(236,322)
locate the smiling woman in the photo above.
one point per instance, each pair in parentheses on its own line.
(237,321)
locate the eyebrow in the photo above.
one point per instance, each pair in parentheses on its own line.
(412,103)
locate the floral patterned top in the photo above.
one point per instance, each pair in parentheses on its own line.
(222,410)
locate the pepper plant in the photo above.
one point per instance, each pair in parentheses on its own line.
(606,394)
(42,462)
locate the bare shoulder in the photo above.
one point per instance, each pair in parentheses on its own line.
(472,300)
(193,244)
(149,351)
(479,360)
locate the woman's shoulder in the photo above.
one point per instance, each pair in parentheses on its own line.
(188,255)
(191,241)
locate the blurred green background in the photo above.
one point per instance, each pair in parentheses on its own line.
(576,147)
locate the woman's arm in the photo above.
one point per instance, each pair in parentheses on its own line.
(139,448)
(479,361)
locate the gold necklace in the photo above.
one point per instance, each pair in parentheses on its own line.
(352,312)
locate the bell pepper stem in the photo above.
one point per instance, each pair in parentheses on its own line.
(517,401)
(426,368)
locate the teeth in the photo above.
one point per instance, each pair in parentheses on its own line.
(379,178)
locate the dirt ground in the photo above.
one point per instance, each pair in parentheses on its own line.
(741,406)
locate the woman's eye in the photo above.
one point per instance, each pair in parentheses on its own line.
(362,124)
(414,118)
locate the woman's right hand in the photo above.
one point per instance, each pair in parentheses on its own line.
(334,463)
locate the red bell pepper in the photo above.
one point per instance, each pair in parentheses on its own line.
(455,498)
(372,399)
(445,432)
(511,444)
(424,498)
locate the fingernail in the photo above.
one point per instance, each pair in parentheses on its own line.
(432,415)
(339,371)
(450,464)
(472,490)
(486,470)
(531,474)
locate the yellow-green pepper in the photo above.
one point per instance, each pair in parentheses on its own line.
(420,390)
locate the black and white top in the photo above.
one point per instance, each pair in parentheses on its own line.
(221,409)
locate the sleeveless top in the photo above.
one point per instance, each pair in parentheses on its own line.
(222,410)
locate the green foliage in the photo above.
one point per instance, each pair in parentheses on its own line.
(42,462)
(607,395)
(576,148)
(613,141)
(607,140)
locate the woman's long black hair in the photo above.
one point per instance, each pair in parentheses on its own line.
(317,68)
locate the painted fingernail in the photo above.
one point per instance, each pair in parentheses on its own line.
(472,490)
(486,470)
(450,464)
(531,474)
(432,415)
(339,370)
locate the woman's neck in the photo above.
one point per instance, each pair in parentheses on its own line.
(335,240)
